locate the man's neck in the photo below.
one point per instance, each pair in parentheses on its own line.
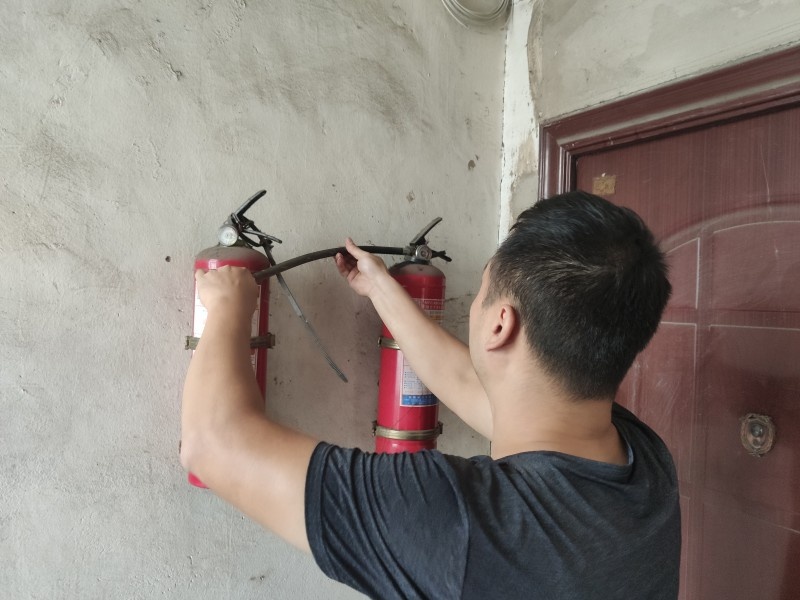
(535,416)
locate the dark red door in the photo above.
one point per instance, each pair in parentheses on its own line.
(725,201)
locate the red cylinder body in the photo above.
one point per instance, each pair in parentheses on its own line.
(236,256)
(404,403)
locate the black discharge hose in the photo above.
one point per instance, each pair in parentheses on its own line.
(320,254)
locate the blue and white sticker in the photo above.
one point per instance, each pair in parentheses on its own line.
(414,392)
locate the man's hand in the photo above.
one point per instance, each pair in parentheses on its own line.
(229,289)
(362,270)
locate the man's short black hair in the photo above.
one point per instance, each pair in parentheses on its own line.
(589,284)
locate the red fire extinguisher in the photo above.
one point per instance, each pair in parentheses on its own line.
(237,249)
(407,410)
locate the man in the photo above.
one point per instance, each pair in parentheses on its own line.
(578,499)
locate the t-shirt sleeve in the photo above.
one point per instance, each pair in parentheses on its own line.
(388,525)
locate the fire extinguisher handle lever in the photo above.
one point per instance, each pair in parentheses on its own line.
(249,202)
(419,239)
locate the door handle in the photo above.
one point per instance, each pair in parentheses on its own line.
(757,433)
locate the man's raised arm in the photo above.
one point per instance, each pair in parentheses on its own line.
(255,464)
(440,360)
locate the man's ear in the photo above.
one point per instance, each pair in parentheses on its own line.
(504,325)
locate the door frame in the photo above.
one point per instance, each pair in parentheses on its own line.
(767,83)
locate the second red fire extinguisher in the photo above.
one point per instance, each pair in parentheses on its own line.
(407,410)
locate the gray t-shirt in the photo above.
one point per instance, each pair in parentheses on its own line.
(534,525)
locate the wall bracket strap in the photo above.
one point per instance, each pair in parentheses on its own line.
(261,341)
(418,435)
(385,342)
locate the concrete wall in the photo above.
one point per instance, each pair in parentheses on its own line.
(592,52)
(128,130)
(581,53)
(518,188)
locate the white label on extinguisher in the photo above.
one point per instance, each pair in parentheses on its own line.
(254,328)
(433,307)
(414,392)
(201,316)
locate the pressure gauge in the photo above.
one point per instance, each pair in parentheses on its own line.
(228,235)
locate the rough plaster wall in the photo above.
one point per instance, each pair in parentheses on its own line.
(581,53)
(127,131)
(592,51)
(519,181)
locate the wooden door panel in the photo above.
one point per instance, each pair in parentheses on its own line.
(641,177)
(687,548)
(752,163)
(753,370)
(732,569)
(684,264)
(661,372)
(666,372)
(725,202)
(756,267)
